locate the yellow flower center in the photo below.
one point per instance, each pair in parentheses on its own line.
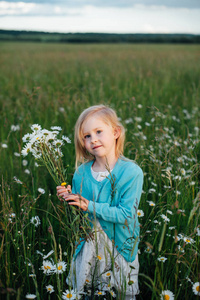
(49,289)
(47,268)
(87,281)
(99,257)
(139,213)
(166,297)
(108,274)
(69,296)
(188,241)
(198,288)
(99,293)
(63,183)
(59,268)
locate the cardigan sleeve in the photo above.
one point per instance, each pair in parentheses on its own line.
(126,209)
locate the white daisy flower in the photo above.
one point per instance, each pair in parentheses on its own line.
(188,240)
(100,293)
(151,203)
(66,139)
(148,250)
(31,296)
(50,288)
(35,221)
(47,267)
(167,295)
(140,213)
(41,191)
(162,259)
(70,294)
(165,218)
(36,127)
(196,288)
(4,146)
(60,267)
(56,128)
(15,127)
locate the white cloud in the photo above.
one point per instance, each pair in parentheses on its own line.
(135,19)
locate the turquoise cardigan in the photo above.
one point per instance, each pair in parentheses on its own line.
(119,209)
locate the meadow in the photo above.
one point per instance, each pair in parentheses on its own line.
(155,90)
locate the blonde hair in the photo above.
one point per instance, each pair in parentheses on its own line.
(109,116)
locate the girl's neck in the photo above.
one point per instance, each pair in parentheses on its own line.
(103,164)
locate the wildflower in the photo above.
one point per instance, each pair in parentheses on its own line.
(167,295)
(99,257)
(17,180)
(182,171)
(27,171)
(50,288)
(139,106)
(70,295)
(15,127)
(100,293)
(196,288)
(66,139)
(35,221)
(60,267)
(41,191)
(151,203)
(112,294)
(162,258)
(36,127)
(165,218)
(140,213)
(24,162)
(30,296)
(147,124)
(192,183)
(63,183)
(169,212)
(4,146)
(198,232)
(138,119)
(188,240)
(56,128)
(108,274)
(47,267)
(16,154)
(181,249)
(172,227)
(48,254)
(148,250)
(61,109)
(25,151)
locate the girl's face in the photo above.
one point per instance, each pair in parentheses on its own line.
(99,138)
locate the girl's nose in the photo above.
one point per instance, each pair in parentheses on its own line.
(93,139)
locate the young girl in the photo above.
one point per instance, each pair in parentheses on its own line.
(108,187)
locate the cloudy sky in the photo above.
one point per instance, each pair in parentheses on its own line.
(114,16)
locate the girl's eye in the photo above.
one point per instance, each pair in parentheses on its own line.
(86,136)
(99,131)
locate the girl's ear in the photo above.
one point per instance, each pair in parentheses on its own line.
(117,132)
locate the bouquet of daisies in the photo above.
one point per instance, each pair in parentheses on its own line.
(45,145)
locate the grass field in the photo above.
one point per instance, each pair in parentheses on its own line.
(155,90)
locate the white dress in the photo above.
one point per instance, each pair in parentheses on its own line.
(96,260)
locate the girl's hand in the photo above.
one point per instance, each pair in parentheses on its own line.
(76,200)
(62,190)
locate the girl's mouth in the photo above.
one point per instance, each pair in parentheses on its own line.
(96,147)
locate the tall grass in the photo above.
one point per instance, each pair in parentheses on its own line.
(155,90)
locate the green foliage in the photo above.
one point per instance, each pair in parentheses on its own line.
(155,90)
